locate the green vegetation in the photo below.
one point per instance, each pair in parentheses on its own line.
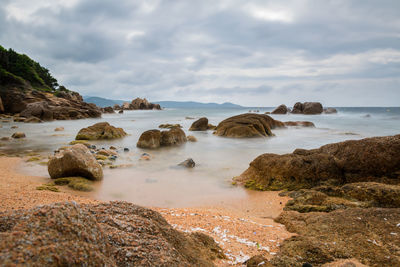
(19,69)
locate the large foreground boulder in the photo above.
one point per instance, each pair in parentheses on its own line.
(99,131)
(308,108)
(282,109)
(247,125)
(75,161)
(156,138)
(370,159)
(107,234)
(199,125)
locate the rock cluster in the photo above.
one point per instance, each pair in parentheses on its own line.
(247,125)
(136,104)
(307,108)
(107,234)
(100,131)
(156,138)
(47,106)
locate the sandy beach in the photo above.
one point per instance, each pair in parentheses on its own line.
(242,228)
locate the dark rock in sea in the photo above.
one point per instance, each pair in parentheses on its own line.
(189,163)
(299,123)
(199,125)
(282,109)
(18,135)
(106,234)
(169,126)
(107,110)
(370,159)
(330,110)
(247,125)
(121,111)
(59,129)
(308,108)
(126,149)
(33,120)
(75,161)
(140,103)
(156,138)
(367,116)
(100,131)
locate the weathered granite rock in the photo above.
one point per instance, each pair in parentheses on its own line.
(299,123)
(39,110)
(156,138)
(99,131)
(282,109)
(189,163)
(140,103)
(75,161)
(169,126)
(199,125)
(150,139)
(174,136)
(308,108)
(247,125)
(106,234)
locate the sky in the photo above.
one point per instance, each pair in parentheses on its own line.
(253,53)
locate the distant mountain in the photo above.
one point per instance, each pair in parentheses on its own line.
(102,102)
(192,104)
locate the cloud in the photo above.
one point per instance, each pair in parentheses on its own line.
(256,53)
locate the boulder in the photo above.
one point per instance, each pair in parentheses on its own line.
(282,109)
(199,125)
(100,131)
(308,108)
(139,103)
(18,135)
(39,110)
(191,138)
(33,120)
(105,234)
(330,110)
(107,110)
(247,125)
(117,107)
(121,111)
(299,123)
(149,139)
(76,160)
(370,159)
(169,126)
(189,163)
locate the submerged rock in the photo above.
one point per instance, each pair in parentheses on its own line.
(75,161)
(156,138)
(330,110)
(99,131)
(18,135)
(247,125)
(299,123)
(59,129)
(33,120)
(189,163)
(308,108)
(199,125)
(107,234)
(282,109)
(191,138)
(169,126)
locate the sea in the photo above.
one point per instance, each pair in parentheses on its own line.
(161,182)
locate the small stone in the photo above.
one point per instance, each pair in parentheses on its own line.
(18,135)
(126,149)
(189,163)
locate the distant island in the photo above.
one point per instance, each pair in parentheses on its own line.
(104,102)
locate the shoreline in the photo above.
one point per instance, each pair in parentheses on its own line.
(243,228)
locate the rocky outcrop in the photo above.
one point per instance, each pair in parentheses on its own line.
(75,161)
(107,110)
(156,138)
(308,108)
(47,106)
(370,159)
(247,125)
(299,123)
(106,234)
(330,110)
(282,109)
(199,125)
(100,131)
(140,103)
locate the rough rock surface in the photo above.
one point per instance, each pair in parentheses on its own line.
(247,125)
(189,163)
(299,123)
(75,161)
(47,106)
(199,125)
(109,234)
(308,108)
(282,109)
(99,131)
(155,138)
(140,103)
(370,159)
(107,110)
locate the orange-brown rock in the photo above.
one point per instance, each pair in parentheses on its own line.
(156,138)
(150,139)
(308,108)
(282,109)
(247,125)
(99,131)
(299,123)
(199,125)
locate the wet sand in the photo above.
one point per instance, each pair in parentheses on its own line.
(242,227)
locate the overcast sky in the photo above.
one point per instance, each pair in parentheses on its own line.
(253,53)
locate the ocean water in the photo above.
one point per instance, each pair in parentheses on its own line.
(159,182)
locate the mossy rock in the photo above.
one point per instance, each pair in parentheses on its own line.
(101,157)
(75,183)
(48,187)
(31,159)
(83,142)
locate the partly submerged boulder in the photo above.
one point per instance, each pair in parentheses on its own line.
(75,161)
(282,109)
(247,125)
(370,159)
(107,110)
(106,234)
(199,125)
(18,135)
(308,108)
(330,110)
(99,131)
(156,138)
(149,139)
(299,123)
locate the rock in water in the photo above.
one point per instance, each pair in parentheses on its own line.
(189,163)
(107,234)
(330,110)
(107,110)
(282,109)
(191,138)
(369,159)
(75,161)
(18,135)
(299,123)
(149,139)
(156,139)
(199,125)
(99,131)
(308,108)
(247,125)
(59,129)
